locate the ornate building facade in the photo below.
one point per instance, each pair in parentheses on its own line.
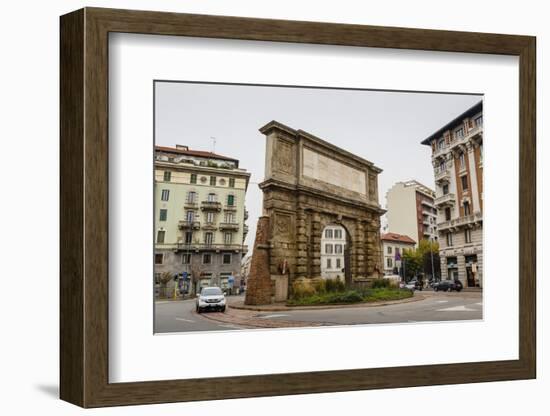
(457,158)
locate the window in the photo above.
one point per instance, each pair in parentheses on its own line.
(191,197)
(163,214)
(466,208)
(157,278)
(338,248)
(186,258)
(328,248)
(188,237)
(230,200)
(441,144)
(165,195)
(397,250)
(445,189)
(468,235)
(211,198)
(479,121)
(464,180)
(207,258)
(462,160)
(226,258)
(459,133)
(449,239)
(167,176)
(328,233)
(159,257)
(389,262)
(209,217)
(212,181)
(389,249)
(337,233)
(338,263)
(208,238)
(190,216)
(447,214)
(193,178)
(229,218)
(329,263)
(228,238)
(160,236)
(442,166)
(231,182)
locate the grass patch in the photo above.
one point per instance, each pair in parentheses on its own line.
(352,296)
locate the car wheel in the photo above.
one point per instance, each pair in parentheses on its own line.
(436,289)
(223,309)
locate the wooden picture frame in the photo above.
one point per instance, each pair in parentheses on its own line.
(84,207)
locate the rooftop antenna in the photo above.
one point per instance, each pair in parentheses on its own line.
(213,144)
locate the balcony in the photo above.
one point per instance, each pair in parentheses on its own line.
(191,204)
(461,222)
(196,247)
(245,229)
(245,215)
(189,225)
(229,226)
(230,207)
(211,206)
(445,200)
(442,176)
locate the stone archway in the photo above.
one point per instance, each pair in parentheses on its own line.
(309,184)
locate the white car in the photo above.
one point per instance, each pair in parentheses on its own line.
(210,298)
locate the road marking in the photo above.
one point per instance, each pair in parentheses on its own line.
(441,301)
(229,326)
(460,308)
(276,315)
(184,320)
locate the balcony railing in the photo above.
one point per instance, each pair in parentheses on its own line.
(230,207)
(461,221)
(245,229)
(476,130)
(442,175)
(447,199)
(191,204)
(211,206)
(210,247)
(246,215)
(233,226)
(189,225)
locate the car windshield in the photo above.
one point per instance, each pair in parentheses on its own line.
(211,291)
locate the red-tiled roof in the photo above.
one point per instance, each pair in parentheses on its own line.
(198,153)
(397,237)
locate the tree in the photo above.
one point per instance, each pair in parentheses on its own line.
(412,259)
(163,280)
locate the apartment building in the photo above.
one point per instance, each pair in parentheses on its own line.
(199,217)
(333,249)
(392,249)
(411,211)
(457,158)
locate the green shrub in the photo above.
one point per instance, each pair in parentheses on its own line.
(320,286)
(381,283)
(334,285)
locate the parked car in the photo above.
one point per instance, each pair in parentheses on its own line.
(448,285)
(210,298)
(411,285)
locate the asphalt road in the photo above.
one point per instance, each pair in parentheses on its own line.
(180,316)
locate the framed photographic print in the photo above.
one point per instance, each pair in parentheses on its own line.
(255,207)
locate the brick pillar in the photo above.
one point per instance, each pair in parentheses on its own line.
(258,291)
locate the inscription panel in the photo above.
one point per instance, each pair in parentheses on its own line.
(322,168)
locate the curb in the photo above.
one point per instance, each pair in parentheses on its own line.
(282,308)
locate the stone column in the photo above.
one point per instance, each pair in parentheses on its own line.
(461,260)
(443,261)
(301,244)
(361,270)
(258,291)
(315,245)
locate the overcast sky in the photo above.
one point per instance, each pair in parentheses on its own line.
(383,127)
